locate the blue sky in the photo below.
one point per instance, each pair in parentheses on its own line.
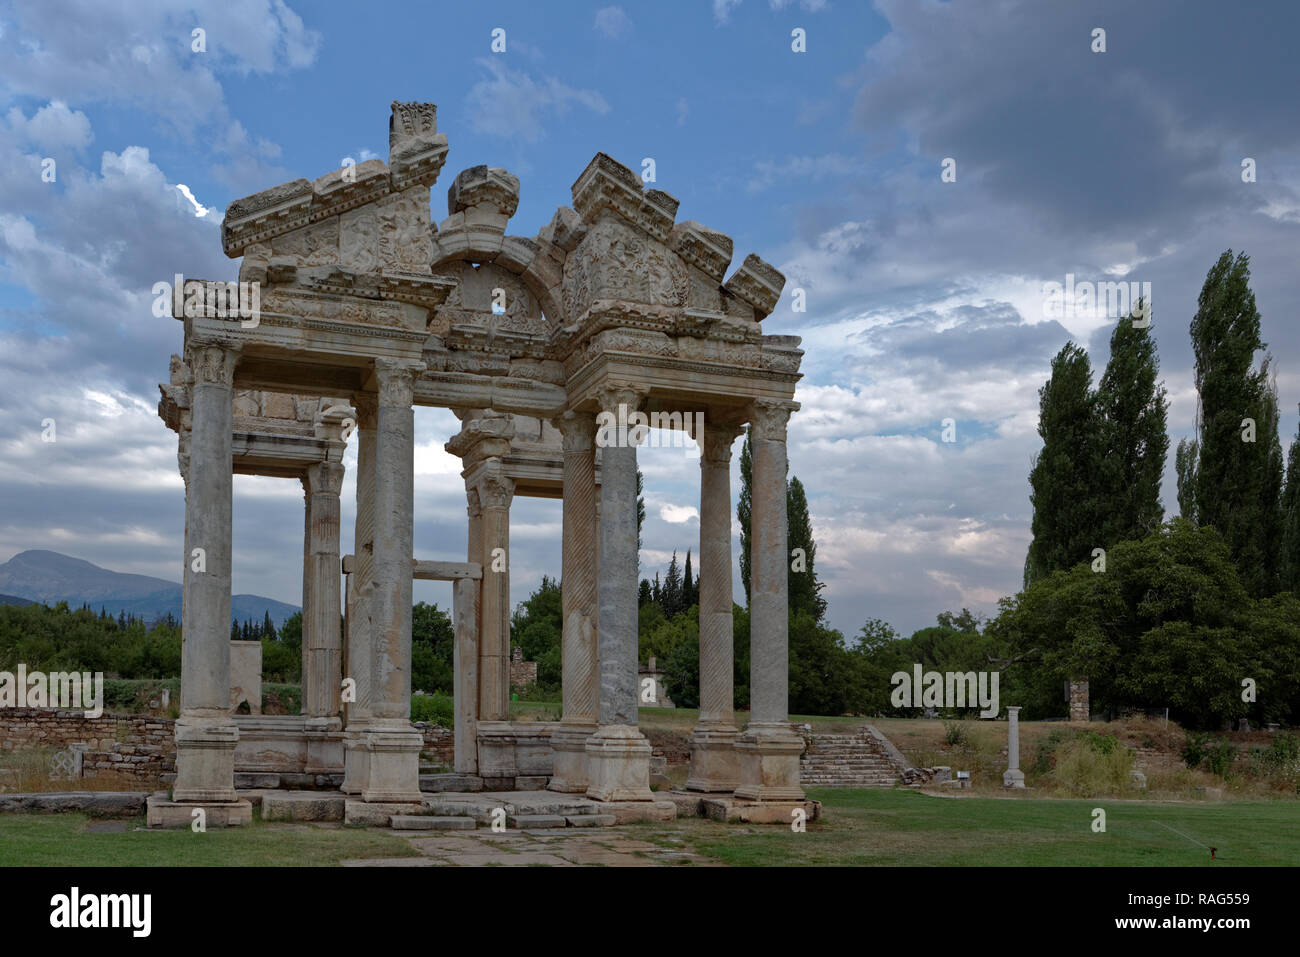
(924,298)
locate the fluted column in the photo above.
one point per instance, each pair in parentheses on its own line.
(618,755)
(581,681)
(206,733)
(394,745)
(769,748)
(714,762)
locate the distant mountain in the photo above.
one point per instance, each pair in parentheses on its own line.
(14,600)
(49,577)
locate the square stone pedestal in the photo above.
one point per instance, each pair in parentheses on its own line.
(496,750)
(324,745)
(160,812)
(392,765)
(618,764)
(205,760)
(1013,778)
(769,764)
(715,764)
(569,758)
(726,808)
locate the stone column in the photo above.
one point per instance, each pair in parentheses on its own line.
(581,683)
(769,749)
(320,627)
(1080,705)
(1013,777)
(618,755)
(206,733)
(392,742)
(496,743)
(359,646)
(465,651)
(714,763)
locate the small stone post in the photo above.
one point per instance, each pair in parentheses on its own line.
(1013,777)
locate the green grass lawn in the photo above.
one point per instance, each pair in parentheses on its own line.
(891,827)
(61,839)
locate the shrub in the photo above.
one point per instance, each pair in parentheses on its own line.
(1195,747)
(436,709)
(956,734)
(1087,767)
(1220,755)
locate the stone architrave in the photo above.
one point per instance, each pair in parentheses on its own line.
(769,748)
(206,734)
(392,743)
(357,667)
(618,754)
(714,761)
(581,685)
(1013,777)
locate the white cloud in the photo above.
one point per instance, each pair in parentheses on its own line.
(613,22)
(515,104)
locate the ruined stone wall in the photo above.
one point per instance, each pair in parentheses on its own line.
(140,745)
(439,744)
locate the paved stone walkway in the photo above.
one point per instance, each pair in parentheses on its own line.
(558,847)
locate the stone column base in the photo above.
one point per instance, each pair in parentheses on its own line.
(715,764)
(205,760)
(160,812)
(356,762)
(1013,778)
(618,764)
(324,745)
(392,765)
(769,763)
(496,750)
(569,756)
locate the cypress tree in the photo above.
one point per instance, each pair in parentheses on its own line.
(1066,477)
(672,590)
(1133,412)
(1235,480)
(689,596)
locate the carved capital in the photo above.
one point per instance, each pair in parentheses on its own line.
(212,362)
(494,489)
(612,394)
(397,381)
(578,430)
(366,405)
(769,418)
(716,444)
(473,508)
(324,478)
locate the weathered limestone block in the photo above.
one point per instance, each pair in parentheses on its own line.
(265,214)
(565,230)
(404,240)
(757,283)
(486,188)
(707,249)
(620,262)
(416,150)
(359,239)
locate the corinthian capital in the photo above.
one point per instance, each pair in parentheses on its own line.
(578,430)
(211,361)
(397,380)
(612,394)
(494,489)
(716,443)
(769,418)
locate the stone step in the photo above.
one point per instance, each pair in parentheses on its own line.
(522,821)
(591,820)
(427,822)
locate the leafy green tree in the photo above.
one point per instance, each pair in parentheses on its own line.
(537,628)
(1066,473)
(671,596)
(433,645)
(1134,441)
(1289,562)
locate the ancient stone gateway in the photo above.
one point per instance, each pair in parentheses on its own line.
(367,309)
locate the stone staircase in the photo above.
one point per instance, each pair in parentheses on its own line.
(862,759)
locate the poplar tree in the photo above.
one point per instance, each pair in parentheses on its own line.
(1133,412)
(1230,476)
(805,589)
(1066,478)
(1289,561)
